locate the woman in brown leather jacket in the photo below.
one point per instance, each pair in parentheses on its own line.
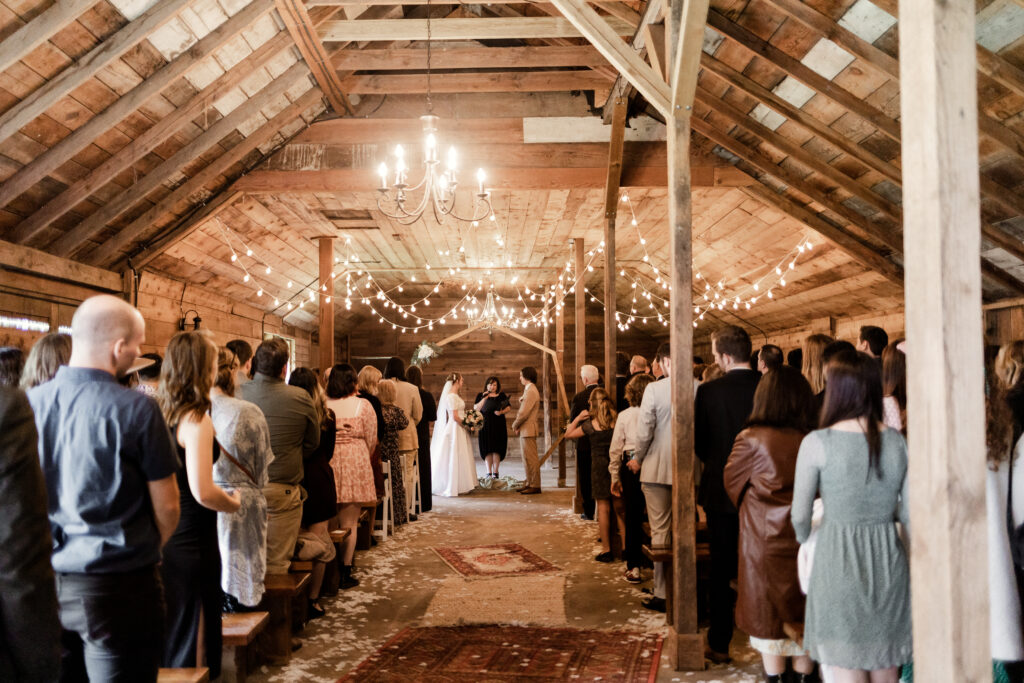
(758,478)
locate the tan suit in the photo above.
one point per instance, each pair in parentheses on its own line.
(526,425)
(407,397)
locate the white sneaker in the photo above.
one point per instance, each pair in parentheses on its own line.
(633,575)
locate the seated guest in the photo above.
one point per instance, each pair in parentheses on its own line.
(321,505)
(29,627)
(894,387)
(638,365)
(191,562)
(769,358)
(12,360)
(759,481)
(244,441)
(356,439)
(872,341)
(149,376)
(48,353)
(101,445)
(628,497)
(394,422)
(243,352)
(598,423)
(294,434)
(415,377)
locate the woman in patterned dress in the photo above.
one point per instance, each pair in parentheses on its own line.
(355,439)
(394,422)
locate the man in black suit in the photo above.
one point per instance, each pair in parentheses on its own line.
(581,402)
(621,379)
(722,407)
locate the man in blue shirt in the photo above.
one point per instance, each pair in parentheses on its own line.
(109,464)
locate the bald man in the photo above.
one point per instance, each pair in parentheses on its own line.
(109,464)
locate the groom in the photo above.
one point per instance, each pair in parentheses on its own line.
(525,425)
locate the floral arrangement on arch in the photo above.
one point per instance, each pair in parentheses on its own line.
(473,420)
(425,353)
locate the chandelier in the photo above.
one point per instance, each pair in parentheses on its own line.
(488,315)
(437,186)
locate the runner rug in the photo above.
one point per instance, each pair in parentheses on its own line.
(534,600)
(506,653)
(506,559)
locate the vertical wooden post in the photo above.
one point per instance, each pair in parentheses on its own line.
(326,309)
(945,370)
(580,332)
(686,22)
(546,380)
(611,212)
(563,410)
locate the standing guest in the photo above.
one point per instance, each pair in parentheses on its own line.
(368,378)
(525,427)
(294,434)
(1009,372)
(12,361)
(29,626)
(321,504)
(653,461)
(243,352)
(795,358)
(638,365)
(244,440)
(493,404)
(858,600)
(722,408)
(621,377)
(407,398)
(758,479)
(112,498)
(832,350)
(47,355)
(628,497)
(589,375)
(394,422)
(415,377)
(355,440)
(894,387)
(598,424)
(872,341)
(769,358)
(656,370)
(814,361)
(711,372)
(191,562)
(149,376)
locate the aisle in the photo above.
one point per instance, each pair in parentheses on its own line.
(404,583)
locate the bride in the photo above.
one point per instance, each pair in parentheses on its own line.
(452,468)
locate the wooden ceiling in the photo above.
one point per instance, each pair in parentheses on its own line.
(163,135)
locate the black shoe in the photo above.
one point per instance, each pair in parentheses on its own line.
(314,612)
(717,657)
(654,604)
(773,678)
(347,580)
(585,516)
(606,557)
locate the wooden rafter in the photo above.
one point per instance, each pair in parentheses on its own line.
(36,32)
(498,28)
(304,33)
(611,212)
(504,81)
(652,14)
(468,58)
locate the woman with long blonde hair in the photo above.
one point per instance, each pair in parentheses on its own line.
(191,558)
(814,361)
(598,424)
(48,353)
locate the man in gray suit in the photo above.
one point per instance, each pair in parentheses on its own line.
(525,425)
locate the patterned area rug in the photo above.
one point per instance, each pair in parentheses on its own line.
(539,600)
(509,653)
(506,559)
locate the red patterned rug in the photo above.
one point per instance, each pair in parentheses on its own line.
(504,653)
(506,559)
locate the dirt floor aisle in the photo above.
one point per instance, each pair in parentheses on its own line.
(400,578)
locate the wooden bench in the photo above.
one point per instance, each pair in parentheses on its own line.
(332,576)
(239,631)
(282,592)
(197,675)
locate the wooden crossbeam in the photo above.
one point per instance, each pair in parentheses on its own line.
(498,28)
(506,81)
(27,260)
(72,240)
(21,114)
(300,26)
(468,58)
(36,32)
(652,13)
(84,136)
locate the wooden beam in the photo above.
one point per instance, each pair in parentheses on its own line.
(652,14)
(498,28)
(562,414)
(24,259)
(36,32)
(326,302)
(611,212)
(629,64)
(1009,200)
(655,41)
(948,558)
(41,99)
(183,228)
(107,252)
(72,240)
(545,377)
(300,26)
(580,310)
(1000,277)
(413,59)
(131,101)
(620,10)
(506,81)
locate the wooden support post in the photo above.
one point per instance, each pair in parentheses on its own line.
(686,25)
(326,303)
(611,213)
(580,332)
(946,418)
(563,409)
(545,373)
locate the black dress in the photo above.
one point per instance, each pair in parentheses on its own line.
(191,576)
(423,435)
(318,478)
(494,433)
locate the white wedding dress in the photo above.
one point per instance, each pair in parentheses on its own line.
(452,469)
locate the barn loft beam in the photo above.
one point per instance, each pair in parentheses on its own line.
(36,103)
(611,213)
(36,32)
(468,58)
(303,31)
(652,13)
(27,260)
(497,28)
(84,136)
(507,81)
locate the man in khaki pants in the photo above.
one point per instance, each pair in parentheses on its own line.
(525,426)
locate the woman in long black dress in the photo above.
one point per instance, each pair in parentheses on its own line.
(415,377)
(493,403)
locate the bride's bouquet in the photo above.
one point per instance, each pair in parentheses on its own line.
(473,420)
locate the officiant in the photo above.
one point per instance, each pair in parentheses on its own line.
(493,403)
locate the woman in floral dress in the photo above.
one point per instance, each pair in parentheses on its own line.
(394,422)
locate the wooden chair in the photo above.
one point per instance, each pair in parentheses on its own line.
(416,496)
(279,599)
(197,675)
(239,631)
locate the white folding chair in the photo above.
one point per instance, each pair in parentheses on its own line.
(415,500)
(384,525)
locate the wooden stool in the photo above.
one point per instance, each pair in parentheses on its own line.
(239,631)
(281,590)
(663,553)
(198,675)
